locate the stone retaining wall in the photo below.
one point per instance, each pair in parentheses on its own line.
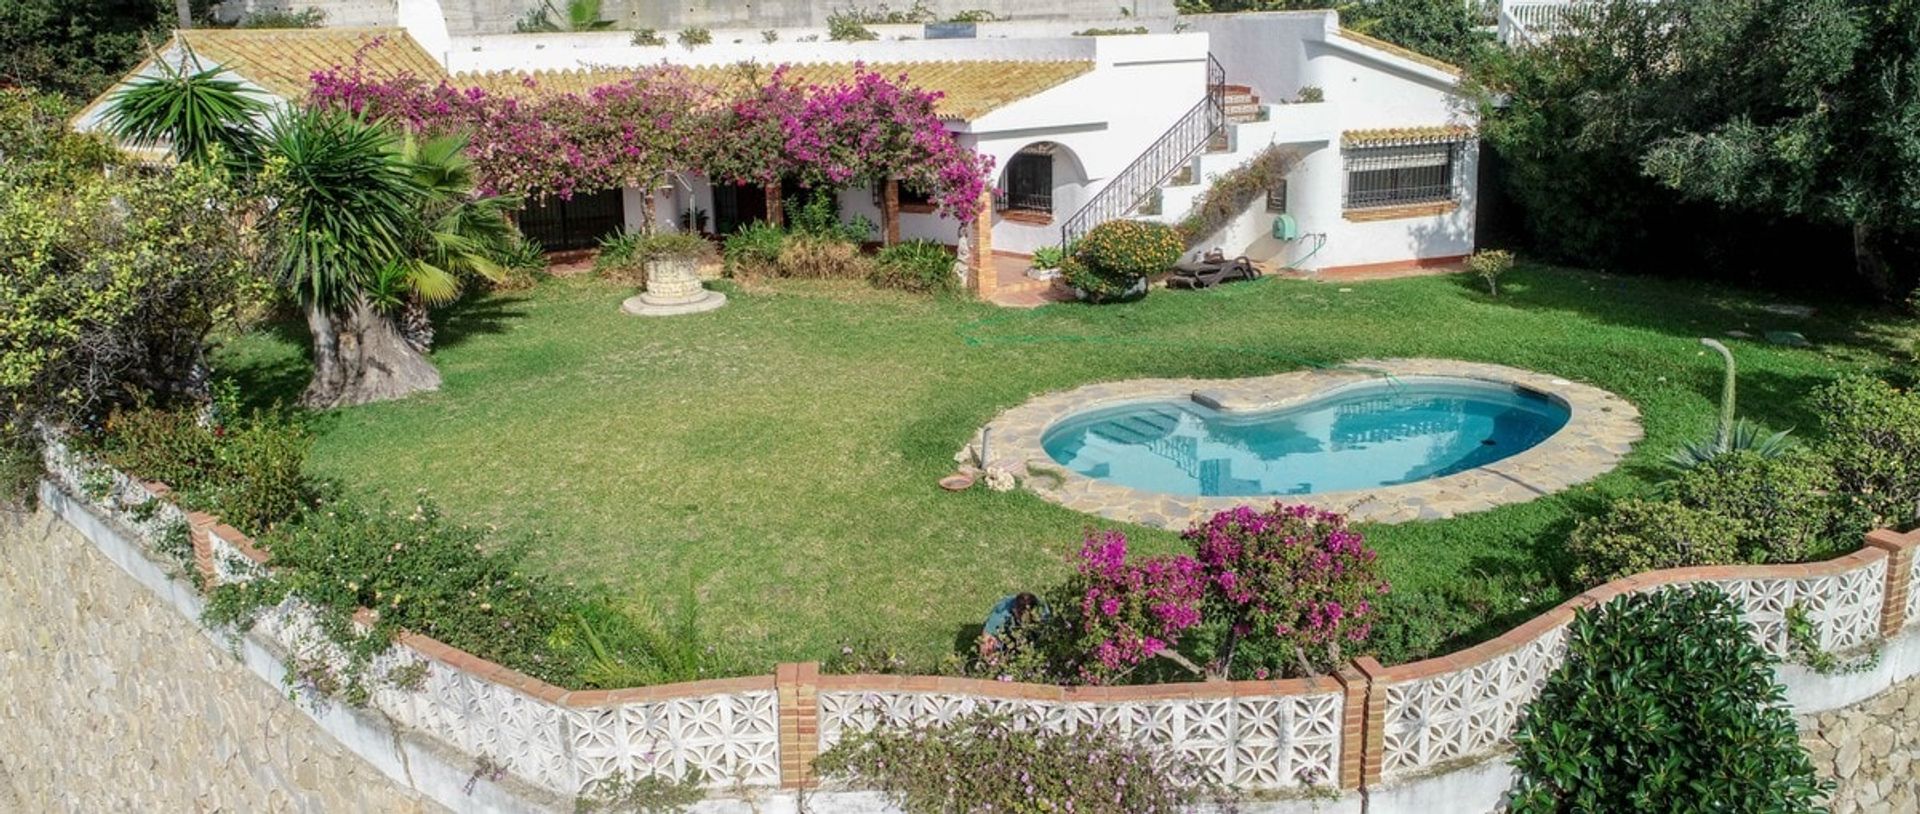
(1871,750)
(113,702)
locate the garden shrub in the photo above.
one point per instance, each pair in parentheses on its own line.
(1124,611)
(986,763)
(418,572)
(1116,255)
(1410,626)
(1048,257)
(1490,265)
(694,36)
(1638,535)
(1664,703)
(1790,509)
(848,26)
(248,470)
(921,266)
(1871,434)
(811,256)
(1288,589)
(754,249)
(818,214)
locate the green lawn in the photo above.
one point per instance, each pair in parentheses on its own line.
(779,455)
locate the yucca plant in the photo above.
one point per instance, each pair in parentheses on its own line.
(194,110)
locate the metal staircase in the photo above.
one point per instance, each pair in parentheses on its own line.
(1195,132)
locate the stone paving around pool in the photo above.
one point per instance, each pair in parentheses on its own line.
(1602,430)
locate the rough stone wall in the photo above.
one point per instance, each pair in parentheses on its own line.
(112,702)
(1871,750)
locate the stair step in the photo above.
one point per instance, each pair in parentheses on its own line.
(1241,99)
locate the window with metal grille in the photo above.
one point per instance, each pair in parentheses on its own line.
(1030,182)
(1398,174)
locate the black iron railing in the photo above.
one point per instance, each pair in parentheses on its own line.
(1132,186)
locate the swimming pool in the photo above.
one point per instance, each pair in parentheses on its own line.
(1377,433)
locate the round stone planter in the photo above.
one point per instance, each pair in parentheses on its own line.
(673,287)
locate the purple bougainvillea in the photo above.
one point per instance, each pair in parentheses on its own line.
(661,119)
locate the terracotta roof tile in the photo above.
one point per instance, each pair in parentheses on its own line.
(969,89)
(1400,135)
(284,60)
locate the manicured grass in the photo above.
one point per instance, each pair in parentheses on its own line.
(779,455)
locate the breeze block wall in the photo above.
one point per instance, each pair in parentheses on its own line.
(1427,737)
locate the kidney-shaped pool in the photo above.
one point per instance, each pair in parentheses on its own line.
(1378,433)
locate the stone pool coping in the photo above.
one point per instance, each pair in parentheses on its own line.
(1600,432)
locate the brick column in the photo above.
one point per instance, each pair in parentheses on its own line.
(797,691)
(1900,550)
(980,248)
(1373,749)
(890,211)
(1353,726)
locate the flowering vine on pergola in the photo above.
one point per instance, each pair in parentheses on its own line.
(659,120)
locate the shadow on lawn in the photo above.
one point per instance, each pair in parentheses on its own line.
(279,381)
(1687,308)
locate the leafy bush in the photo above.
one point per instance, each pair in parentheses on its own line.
(1641,535)
(843,26)
(648,38)
(1116,255)
(693,36)
(1310,94)
(245,469)
(1790,509)
(1289,587)
(283,18)
(1872,437)
(1409,626)
(921,266)
(638,645)
(1664,703)
(987,763)
(754,249)
(819,215)
(1490,265)
(1110,32)
(418,572)
(810,256)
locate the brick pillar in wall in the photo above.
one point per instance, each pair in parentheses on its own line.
(1353,726)
(797,691)
(1373,720)
(890,211)
(980,248)
(1900,550)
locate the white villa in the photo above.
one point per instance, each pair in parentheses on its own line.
(1082,129)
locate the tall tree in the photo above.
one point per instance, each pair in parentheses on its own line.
(1761,109)
(76,48)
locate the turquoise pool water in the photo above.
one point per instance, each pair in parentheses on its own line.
(1375,434)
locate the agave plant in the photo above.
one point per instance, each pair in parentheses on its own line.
(1744,436)
(1731,434)
(194,110)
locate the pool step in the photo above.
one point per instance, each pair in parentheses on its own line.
(1143,427)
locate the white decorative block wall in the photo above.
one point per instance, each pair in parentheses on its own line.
(1251,742)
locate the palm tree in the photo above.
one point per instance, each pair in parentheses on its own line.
(346,216)
(581,15)
(465,234)
(365,224)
